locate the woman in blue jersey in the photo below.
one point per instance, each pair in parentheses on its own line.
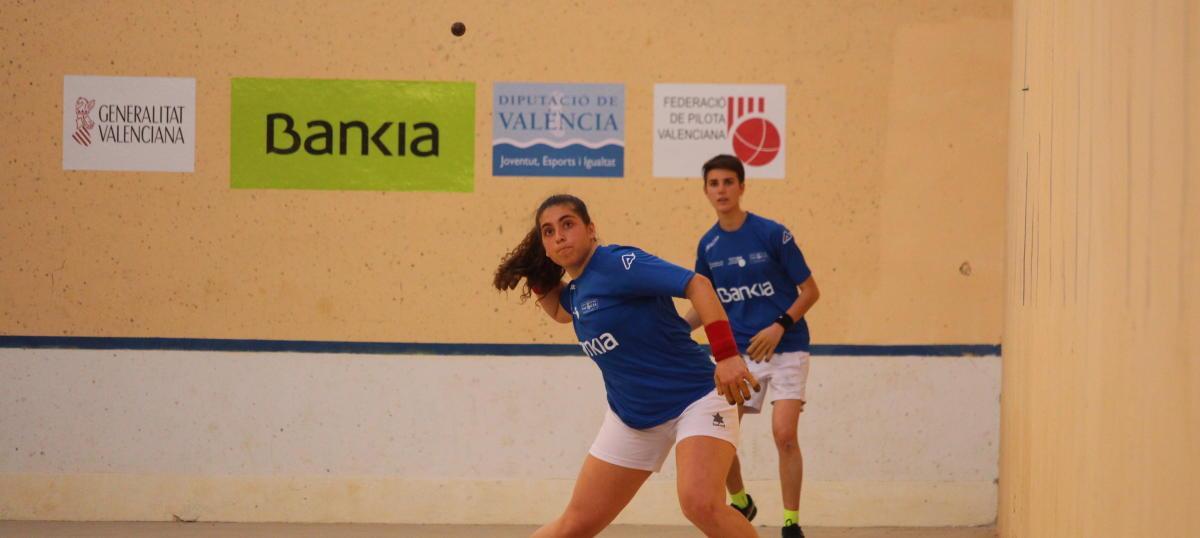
(659,382)
(766,287)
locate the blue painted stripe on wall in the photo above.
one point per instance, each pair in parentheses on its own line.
(421,348)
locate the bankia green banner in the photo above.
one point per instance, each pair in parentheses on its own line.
(352,135)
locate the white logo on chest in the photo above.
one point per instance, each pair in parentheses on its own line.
(599,345)
(742,293)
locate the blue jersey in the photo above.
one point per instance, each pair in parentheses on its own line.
(626,321)
(755,270)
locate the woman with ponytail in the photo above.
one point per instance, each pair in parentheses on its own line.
(658,380)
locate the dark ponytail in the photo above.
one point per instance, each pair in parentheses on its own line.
(529,260)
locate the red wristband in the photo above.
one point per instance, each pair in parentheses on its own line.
(720,339)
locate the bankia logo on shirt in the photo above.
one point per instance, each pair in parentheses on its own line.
(558,130)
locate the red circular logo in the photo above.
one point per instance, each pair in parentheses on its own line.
(756,141)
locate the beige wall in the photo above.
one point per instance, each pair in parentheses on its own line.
(896,116)
(897,126)
(1101,382)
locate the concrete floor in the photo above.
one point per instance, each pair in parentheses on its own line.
(44,529)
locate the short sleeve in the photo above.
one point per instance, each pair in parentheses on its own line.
(640,273)
(789,255)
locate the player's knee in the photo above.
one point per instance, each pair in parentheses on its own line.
(700,507)
(786,440)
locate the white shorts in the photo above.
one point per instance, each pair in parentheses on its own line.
(784,378)
(647,449)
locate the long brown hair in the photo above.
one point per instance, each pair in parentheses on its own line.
(529,260)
